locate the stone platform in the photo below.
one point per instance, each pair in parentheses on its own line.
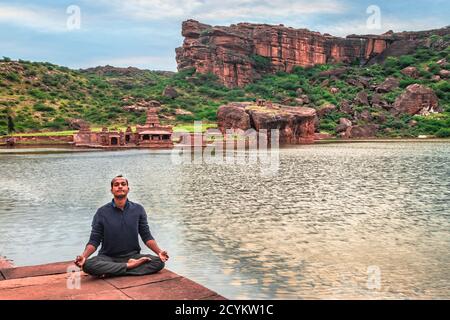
(53,282)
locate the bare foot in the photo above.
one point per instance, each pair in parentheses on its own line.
(134,263)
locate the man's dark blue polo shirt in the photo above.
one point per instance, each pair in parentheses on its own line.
(118,230)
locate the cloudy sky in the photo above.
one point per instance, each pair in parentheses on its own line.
(145,33)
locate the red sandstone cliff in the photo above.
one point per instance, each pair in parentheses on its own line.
(241,53)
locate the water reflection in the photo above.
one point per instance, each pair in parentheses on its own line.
(310,231)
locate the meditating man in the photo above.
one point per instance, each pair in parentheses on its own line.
(117,226)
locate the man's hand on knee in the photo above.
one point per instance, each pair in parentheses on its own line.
(80,261)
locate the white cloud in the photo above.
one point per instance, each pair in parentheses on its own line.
(215,10)
(359,26)
(143,62)
(38,18)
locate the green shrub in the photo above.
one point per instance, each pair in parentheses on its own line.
(260,62)
(12,76)
(327,125)
(434,68)
(43,108)
(406,61)
(443,133)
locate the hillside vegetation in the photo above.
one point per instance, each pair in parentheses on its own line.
(43,96)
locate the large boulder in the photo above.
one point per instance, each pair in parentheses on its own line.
(345,107)
(378,101)
(344,123)
(333,72)
(232,116)
(366,131)
(387,85)
(362,98)
(78,124)
(417,99)
(325,109)
(295,124)
(170,92)
(444,73)
(410,72)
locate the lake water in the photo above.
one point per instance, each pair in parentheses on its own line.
(354,220)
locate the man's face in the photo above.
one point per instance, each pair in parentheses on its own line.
(120,188)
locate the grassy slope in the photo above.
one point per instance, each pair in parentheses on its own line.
(43,96)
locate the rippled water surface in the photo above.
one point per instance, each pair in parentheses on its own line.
(330,223)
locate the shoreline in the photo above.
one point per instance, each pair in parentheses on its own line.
(63,145)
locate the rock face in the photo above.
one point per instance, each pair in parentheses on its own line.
(170,92)
(242,52)
(366,131)
(417,99)
(387,85)
(296,124)
(410,72)
(233,116)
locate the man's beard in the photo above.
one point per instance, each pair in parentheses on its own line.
(121,196)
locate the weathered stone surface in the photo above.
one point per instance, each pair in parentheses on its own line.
(412,123)
(366,131)
(377,100)
(436,78)
(346,122)
(365,115)
(355,83)
(296,124)
(387,85)
(233,116)
(305,98)
(325,109)
(345,107)
(362,98)
(52,282)
(34,271)
(175,289)
(170,92)
(442,62)
(417,99)
(182,112)
(334,90)
(142,105)
(241,53)
(410,72)
(78,124)
(333,72)
(444,73)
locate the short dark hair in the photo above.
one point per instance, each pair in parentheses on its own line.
(119,176)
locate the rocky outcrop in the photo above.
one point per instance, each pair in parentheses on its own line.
(387,85)
(77,124)
(344,123)
(233,116)
(170,92)
(325,109)
(241,53)
(417,99)
(142,105)
(410,72)
(366,131)
(295,124)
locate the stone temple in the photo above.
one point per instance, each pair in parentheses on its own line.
(150,135)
